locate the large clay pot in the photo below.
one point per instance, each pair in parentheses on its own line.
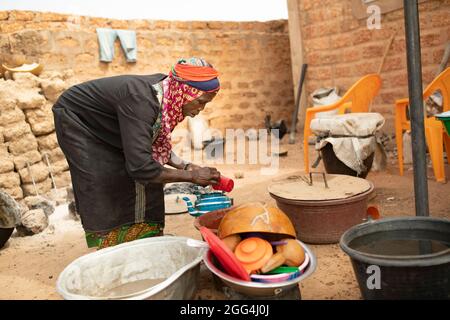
(333,165)
(324,210)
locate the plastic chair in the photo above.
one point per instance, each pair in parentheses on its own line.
(434,131)
(357,99)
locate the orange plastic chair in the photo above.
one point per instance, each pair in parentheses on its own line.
(356,99)
(435,134)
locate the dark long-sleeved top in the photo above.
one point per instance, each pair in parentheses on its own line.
(120,111)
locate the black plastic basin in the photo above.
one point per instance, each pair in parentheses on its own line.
(410,254)
(5,234)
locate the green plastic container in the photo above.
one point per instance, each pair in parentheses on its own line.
(445,118)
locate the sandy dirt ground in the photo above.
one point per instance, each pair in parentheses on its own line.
(29,266)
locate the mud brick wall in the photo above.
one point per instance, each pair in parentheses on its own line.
(252,57)
(28,146)
(339,48)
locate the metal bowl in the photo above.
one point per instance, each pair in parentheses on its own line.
(5,234)
(257,289)
(91,276)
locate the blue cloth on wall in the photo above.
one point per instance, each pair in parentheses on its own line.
(128,42)
(107,37)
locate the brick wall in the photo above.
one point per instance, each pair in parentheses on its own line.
(253,57)
(339,48)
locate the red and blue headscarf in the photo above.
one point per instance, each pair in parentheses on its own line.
(187,81)
(196,73)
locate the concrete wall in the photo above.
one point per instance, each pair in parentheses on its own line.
(252,57)
(339,48)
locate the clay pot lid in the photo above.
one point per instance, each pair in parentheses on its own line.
(253,253)
(339,187)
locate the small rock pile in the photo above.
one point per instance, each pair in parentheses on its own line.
(28,217)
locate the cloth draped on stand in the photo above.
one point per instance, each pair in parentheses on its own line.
(352,136)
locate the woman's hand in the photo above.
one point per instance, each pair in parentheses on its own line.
(192,167)
(205,176)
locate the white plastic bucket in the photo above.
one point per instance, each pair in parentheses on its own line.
(96,275)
